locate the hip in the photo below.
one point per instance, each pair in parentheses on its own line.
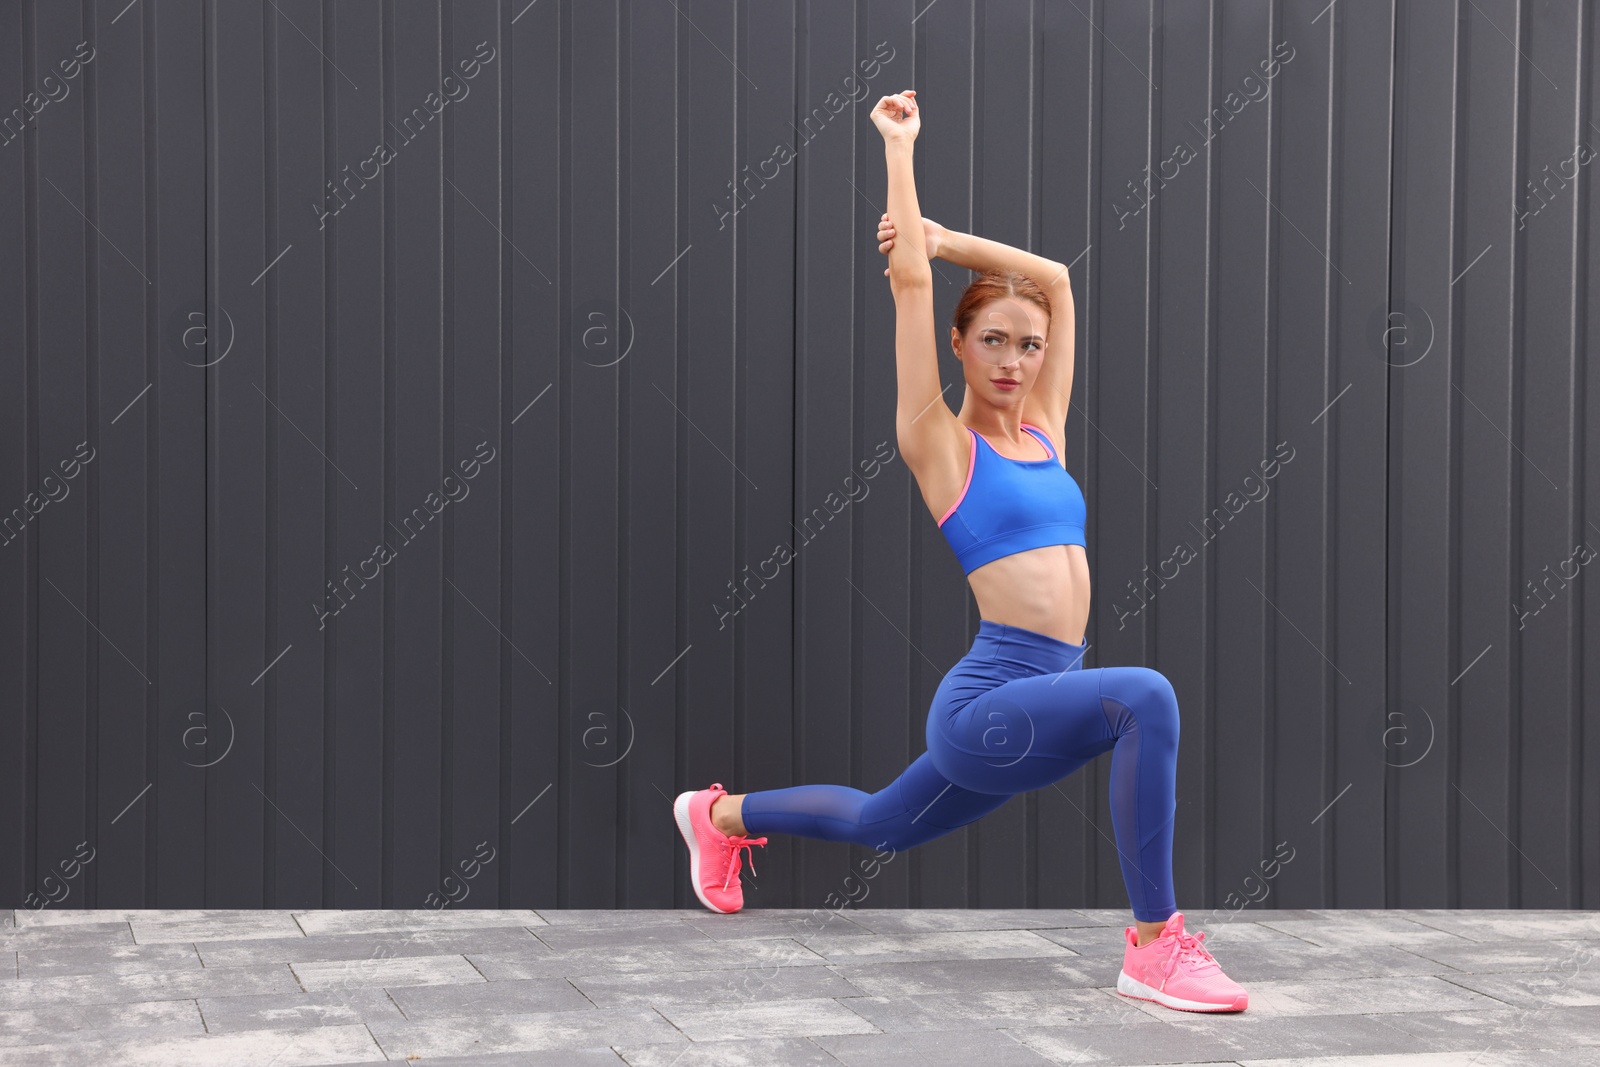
(1001,653)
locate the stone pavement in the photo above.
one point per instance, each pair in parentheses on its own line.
(863,987)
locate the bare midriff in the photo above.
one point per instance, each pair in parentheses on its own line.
(1043,589)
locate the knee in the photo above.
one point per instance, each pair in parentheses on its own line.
(1149,698)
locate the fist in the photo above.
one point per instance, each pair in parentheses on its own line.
(897,116)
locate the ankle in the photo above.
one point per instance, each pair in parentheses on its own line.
(725,815)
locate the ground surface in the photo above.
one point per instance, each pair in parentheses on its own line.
(862,987)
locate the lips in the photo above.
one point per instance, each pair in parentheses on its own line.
(1005,381)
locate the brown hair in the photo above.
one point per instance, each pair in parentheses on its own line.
(992,284)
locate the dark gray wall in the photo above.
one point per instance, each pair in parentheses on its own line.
(278,339)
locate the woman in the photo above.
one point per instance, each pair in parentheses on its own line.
(1018,711)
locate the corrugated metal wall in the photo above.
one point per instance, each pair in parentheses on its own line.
(438,433)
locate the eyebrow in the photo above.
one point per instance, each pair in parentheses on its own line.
(1002,329)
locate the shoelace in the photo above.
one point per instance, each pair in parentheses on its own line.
(735,843)
(1186,947)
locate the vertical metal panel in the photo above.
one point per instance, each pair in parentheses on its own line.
(237,471)
(533,73)
(171,814)
(125,351)
(67,258)
(414,579)
(1349,453)
(299,362)
(494,350)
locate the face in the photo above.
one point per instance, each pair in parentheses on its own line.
(1003,349)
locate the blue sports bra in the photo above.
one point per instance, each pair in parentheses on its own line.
(1011,505)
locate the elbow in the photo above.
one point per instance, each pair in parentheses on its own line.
(1060,291)
(912,275)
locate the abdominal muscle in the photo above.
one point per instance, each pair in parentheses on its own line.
(1042,589)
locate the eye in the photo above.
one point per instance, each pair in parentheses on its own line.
(1032,344)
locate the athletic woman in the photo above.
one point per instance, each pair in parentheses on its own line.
(1018,711)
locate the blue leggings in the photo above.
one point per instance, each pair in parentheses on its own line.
(1016,713)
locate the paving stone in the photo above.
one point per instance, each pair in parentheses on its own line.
(274,1011)
(630,916)
(133,988)
(975,976)
(733,986)
(1499,1029)
(993,1010)
(517,997)
(389,973)
(1224,939)
(1361,931)
(599,1056)
(1360,996)
(1099,942)
(84,933)
(27,919)
(1255,963)
(1118,917)
(574,938)
(1249,1034)
(110,959)
(36,1026)
(368,946)
(648,958)
(1257,930)
(280,1048)
(240,926)
(767,923)
(1568,986)
(1117,1043)
(744,1052)
(957,945)
(960,1048)
(942,920)
(1530,1058)
(345,921)
(8,965)
(778,1018)
(1493,957)
(473,1036)
(1094,943)
(1531,924)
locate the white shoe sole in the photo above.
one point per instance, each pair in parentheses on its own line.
(1132,987)
(680,811)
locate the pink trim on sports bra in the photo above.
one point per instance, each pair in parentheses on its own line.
(972,461)
(1044,438)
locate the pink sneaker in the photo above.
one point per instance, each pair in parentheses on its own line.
(1175,970)
(714,859)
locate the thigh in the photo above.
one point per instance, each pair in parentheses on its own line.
(1022,734)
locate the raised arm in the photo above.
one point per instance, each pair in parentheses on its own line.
(923,423)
